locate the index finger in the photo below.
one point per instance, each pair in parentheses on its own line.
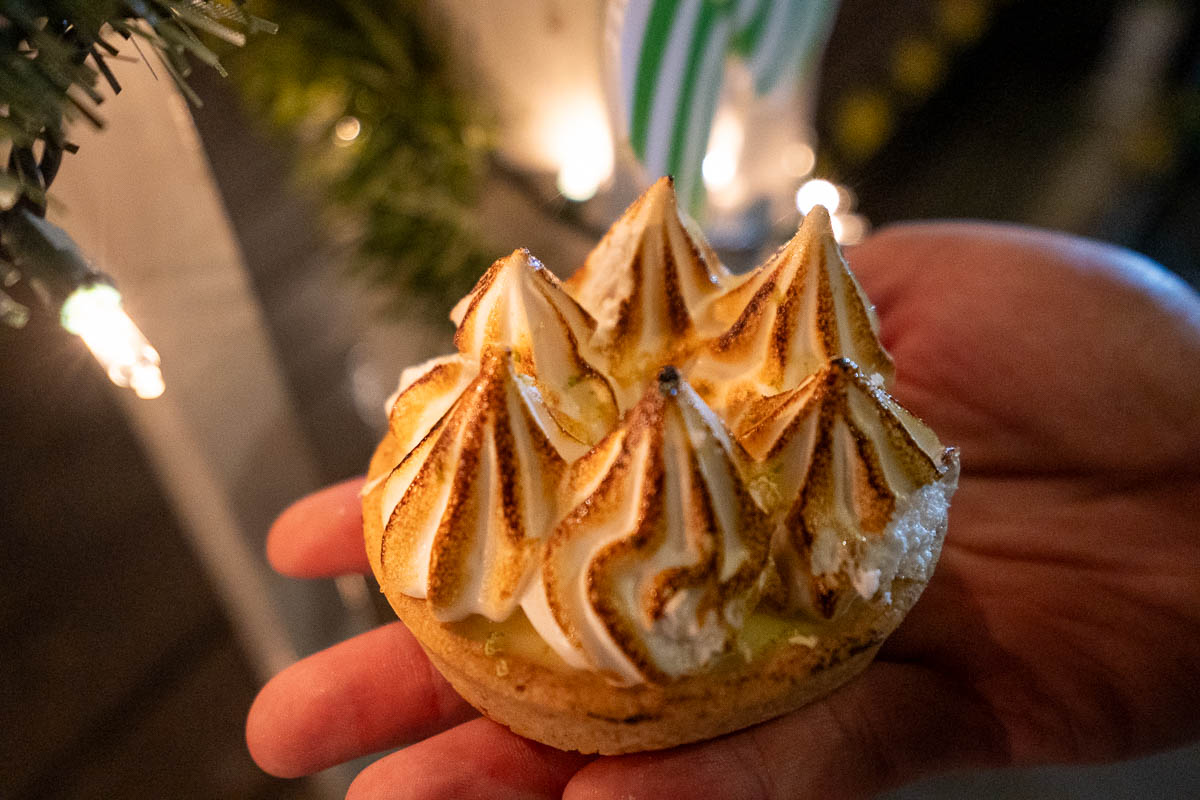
(321,535)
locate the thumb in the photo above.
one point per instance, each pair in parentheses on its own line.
(893,724)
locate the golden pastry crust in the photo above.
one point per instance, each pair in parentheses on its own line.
(539,697)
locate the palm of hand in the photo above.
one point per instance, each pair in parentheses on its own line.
(1062,622)
(1066,598)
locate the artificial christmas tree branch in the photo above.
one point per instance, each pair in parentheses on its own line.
(52,59)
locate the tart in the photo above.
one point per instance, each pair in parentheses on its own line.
(656,502)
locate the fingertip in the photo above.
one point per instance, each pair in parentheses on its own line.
(370,693)
(320,535)
(268,749)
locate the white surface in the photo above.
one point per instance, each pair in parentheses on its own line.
(139,199)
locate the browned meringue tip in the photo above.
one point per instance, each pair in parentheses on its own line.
(794,313)
(841,395)
(768,421)
(669,458)
(520,304)
(817,223)
(488,458)
(659,196)
(662,191)
(647,284)
(517,259)
(438,387)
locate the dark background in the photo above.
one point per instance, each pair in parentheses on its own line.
(120,674)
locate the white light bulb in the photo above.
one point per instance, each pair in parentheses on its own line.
(578,141)
(849,228)
(579,180)
(719,167)
(94,313)
(718,170)
(346,130)
(838,228)
(817,192)
(798,159)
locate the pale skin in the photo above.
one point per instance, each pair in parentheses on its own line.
(1062,625)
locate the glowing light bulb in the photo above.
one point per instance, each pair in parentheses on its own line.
(346,130)
(839,228)
(817,192)
(798,159)
(94,314)
(719,167)
(578,141)
(579,180)
(849,228)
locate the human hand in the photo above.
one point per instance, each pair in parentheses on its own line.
(1062,625)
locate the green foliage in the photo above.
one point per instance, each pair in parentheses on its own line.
(52,56)
(405,186)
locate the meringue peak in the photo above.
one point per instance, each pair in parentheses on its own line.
(841,393)
(792,315)
(516,295)
(520,305)
(468,508)
(652,575)
(426,393)
(843,459)
(648,283)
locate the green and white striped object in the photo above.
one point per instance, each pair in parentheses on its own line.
(668,59)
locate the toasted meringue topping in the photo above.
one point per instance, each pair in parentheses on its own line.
(520,305)
(787,319)
(648,284)
(426,395)
(636,547)
(652,575)
(841,461)
(426,392)
(466,511)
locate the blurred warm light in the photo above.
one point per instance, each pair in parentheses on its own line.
(93,312)
(862,122)
(839,230)
(817,192)
(846,199)
(798,159)
(12,313)
(346,130)
(962,21)
(579,143)
(849,228)
(918,64)
(719,167)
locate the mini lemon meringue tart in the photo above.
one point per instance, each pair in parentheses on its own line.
(656,502)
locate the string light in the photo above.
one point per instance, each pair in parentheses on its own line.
(44,255)
(817,192)
(346,130)
(798,159)
(719,167)
(579,142)
(93,312)
(849,228)
(838,227)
